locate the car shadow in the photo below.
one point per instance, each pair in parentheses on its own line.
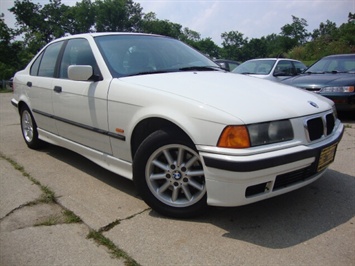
(277,223)
(86,166)
(346,117)
(292,218)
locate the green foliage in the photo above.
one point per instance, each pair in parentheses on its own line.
(207,47)
(37,25)
(326,40)
(12,55)
(150,24)
(232,43)
(117,15)
(296,31)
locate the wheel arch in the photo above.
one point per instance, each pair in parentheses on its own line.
(149,125)
(21,105)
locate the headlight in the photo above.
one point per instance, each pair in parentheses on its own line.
(256,134)
(271,132)
(338,89)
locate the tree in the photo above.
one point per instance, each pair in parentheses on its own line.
(150,24)
(296,31)
(207,47)
(117,15)
(327,29)
(346,32)
(5,47)
(255,48)
(81,17)
(189,35)
(50,21)
(38,25)
(13,57)
(232,43)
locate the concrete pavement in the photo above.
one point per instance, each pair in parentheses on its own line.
(311,226)
(23,241)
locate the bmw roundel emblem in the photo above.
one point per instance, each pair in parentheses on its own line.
(313,104)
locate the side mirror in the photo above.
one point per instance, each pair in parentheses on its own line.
(80,72)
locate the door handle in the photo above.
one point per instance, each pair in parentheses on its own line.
(58,89)
(29,84)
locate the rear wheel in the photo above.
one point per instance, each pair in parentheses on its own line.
(169,175)
(29,129)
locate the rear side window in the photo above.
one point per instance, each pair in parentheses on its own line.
(35,66)
(44,65)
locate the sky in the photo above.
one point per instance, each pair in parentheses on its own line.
(252,18)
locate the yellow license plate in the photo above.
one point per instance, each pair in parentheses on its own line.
(326,157)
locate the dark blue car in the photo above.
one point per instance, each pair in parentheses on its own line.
(333,77)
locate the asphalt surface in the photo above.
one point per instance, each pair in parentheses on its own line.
(311,226)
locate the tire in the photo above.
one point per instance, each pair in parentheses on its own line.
(168,174)
(29,129)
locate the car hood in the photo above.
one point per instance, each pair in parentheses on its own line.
(246,98)
(314,81)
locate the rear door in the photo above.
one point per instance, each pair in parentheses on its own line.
(39,86)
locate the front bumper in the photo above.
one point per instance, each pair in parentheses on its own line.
(240,180)
(343,101)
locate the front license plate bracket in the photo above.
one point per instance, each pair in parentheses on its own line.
(326,157)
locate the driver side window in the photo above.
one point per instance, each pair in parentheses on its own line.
(77,52)
(285,68)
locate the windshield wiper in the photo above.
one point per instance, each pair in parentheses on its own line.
(326,72)
(200,68)
(248,73)
(191,68)
(310,72)
(336,71)
(150,72)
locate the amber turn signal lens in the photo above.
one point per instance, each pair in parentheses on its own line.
(234,137)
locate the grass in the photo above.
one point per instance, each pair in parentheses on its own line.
(66,217)
(71,217)
(348,126)
(52,220)
(309,63)
(100,239)
(6,90)
(47,196)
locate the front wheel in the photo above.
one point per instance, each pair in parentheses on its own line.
(169,175)
(29,129)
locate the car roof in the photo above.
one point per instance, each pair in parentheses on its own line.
(339,55)
(271,58)
(97,34)
(225,60)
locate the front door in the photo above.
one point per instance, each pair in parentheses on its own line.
(80,107)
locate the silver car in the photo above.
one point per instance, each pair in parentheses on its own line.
(275,69)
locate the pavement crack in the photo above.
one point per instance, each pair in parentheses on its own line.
(17,208)
(111,225)
(47,211)
(108,227)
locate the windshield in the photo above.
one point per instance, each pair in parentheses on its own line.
(334,64)
(255,67)
(127,55)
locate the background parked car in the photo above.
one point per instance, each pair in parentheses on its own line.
(332,76)
(275,69)
(228,65)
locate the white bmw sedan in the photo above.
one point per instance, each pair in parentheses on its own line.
(189,134)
